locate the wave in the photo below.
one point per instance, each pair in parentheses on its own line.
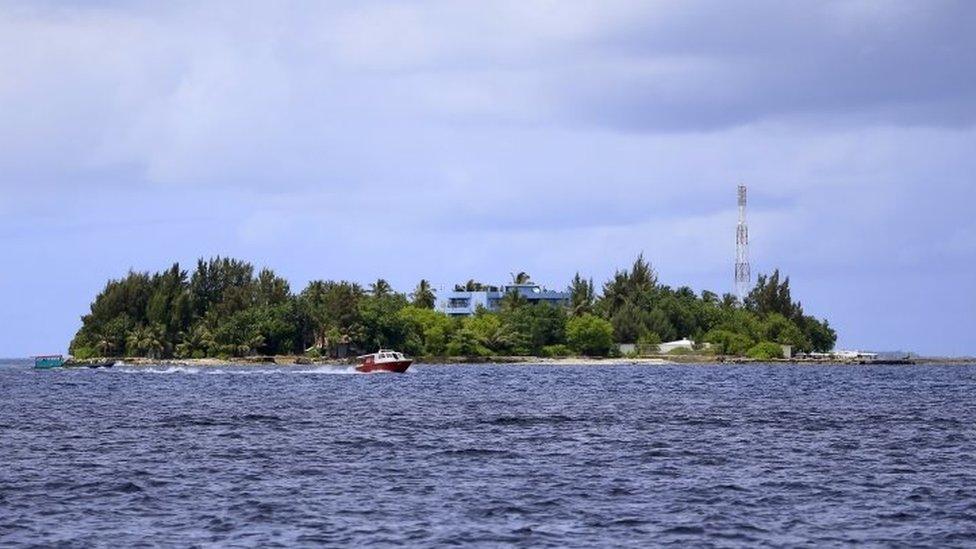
(162,370)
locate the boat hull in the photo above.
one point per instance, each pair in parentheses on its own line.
(398,366)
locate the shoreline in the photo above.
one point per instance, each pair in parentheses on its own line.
(690,360)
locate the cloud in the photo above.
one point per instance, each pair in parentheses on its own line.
(442,140)
(202,93)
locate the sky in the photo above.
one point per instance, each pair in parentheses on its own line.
(455,140)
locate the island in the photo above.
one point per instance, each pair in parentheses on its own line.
(223,310)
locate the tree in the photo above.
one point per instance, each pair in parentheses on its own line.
(333,305)
(221,284)
(199,343)
(473,285)
(629,299)
(534,327)
(382,325)
(513,299)
(765,350)
(490,331)
(772,296)
(521,278)
(240,334)
(729,343)
(427,331)
(465,343)
(146,341)
(819,333)
(589,335)
(581,298)
(630,322)
(643,278)
(272,289)
(380,288)
(729,301)
(778,329)
(423,296)
(223,309)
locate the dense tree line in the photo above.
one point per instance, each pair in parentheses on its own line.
(224,309)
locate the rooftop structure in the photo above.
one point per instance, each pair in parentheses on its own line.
(466,303)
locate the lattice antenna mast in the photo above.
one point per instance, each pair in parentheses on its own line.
(742,271)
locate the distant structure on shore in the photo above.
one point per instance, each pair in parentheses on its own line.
(464,302)
(742,271)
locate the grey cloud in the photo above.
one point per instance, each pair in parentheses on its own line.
(709,65)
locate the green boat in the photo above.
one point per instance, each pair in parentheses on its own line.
(46,362)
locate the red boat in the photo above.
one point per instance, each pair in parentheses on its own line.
(384,361)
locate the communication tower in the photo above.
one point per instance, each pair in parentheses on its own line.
(742,274)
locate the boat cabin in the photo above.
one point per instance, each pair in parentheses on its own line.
(48,361)
(383,355)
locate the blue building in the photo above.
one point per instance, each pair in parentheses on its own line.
(464,303)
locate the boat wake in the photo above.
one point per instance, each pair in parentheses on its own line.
(160,370)
(241,371)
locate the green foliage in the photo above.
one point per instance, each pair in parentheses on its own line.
(473,286)
(779,329)
(765,350)
(726,342)
(147,341)
(681,351)
(380,288)
(772,296)
(491,332)
(464,342)
(223,309)
(590,335)
(84,353)
(771,299)
(423,296)
(556,351)
(382,327)
(331,314)
(648,344)
(196,343)
(534,327)
(582,298)
(427,331)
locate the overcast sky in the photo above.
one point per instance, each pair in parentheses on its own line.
(456,140)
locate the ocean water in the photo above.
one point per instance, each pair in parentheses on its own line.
(489,455)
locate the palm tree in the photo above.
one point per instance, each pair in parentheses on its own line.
(251,345)
(380,288)
(198,342)
(104,344)
(423,296)
(146,341)
(497,337)
(513,299)
(473,286)
(521,278)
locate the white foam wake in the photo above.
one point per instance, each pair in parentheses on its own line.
(241,371)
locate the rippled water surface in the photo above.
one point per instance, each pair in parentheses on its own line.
(490,455)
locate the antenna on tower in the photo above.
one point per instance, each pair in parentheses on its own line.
(742,271)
